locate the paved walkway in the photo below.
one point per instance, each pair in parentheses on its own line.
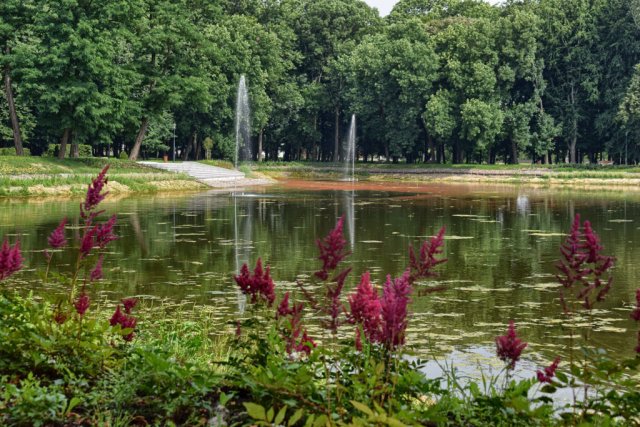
(210,175)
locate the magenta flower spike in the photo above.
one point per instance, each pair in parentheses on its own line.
(366,308)
(96,273)
(331,250)
(257,285)
(395,300)
(57,238)
(10,259)
(82,304)
(94,194)
(509,347)
(549,372)
(129,304)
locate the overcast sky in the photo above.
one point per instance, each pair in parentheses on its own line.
(385,6)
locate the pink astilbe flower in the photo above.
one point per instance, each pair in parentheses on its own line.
(104,232)
(423,267)
(129,304)
(125,321)
(88,242)
(117,317)
(331,250)
(10,259)
(259,284)
(366,308)
(294,334)
(57,238)
(583,266)
(549,372)
(94,195)
(59,315)
(128,322)
(82,304)
(306,344)
(394,303)
(509,346)
(96,273)
(333,294)
(635,314)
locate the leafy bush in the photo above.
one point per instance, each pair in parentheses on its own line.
(123,155)
(52,150)
(11,151)
(61,365)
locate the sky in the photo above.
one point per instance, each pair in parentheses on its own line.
(385,6)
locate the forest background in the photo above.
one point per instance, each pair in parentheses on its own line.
(435,81)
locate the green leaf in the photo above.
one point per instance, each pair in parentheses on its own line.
(255,411)
(321,421)
(561,377)
(270,414)
(362,408)
(310,420)
(548,388)
(296,417)
(280,416)
(75,401)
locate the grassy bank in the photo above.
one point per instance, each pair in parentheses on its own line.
(579,175)
(36,176)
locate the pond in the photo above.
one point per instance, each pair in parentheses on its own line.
(502,244)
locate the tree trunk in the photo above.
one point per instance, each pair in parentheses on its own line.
(457,153)
(198,148)
(63,143)
(260,136)
(336,135)
(514,152)
(15,124)
(574,129)
(431,147)
(142,132)
(75,149)
(190,145)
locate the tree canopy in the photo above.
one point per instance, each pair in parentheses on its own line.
(435,81)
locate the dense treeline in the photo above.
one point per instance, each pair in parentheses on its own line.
(435,81)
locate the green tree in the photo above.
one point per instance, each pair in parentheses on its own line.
(15,25)
(79,85)
(629,113)
(571,65)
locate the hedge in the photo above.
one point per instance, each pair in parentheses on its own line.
(84,150)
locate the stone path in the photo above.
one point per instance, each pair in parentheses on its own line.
(210,175)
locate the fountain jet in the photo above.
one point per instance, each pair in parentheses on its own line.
(350,158)
(243,125)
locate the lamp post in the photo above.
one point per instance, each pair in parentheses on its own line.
(174,142)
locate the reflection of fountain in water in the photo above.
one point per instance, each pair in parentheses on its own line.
(350,157)
(350,220)
(242,242)
(523,205)
(243,126)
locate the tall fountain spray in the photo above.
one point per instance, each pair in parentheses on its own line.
(350,158)
(243,125)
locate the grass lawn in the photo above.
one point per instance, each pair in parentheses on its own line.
(522,173)
(44,176)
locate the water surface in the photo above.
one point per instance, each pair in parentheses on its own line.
(502,245)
